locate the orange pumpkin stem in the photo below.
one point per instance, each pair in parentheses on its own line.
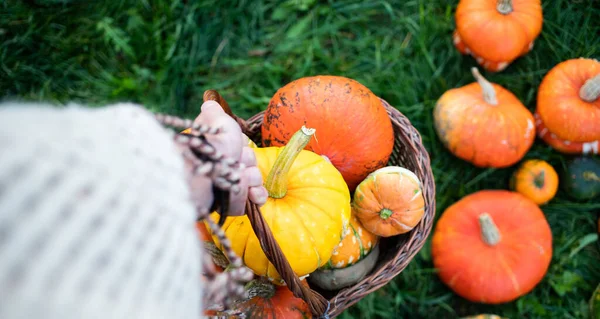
(489,230)
(590,90)
(504,6)
(539,179)
(276,183)
(489,94)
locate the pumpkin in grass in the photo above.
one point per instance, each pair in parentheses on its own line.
(484,124)
(497,32)
(492,246)
(536,179)
(348,117)
(389,201)
(307,210)
(566,147)
(568,100)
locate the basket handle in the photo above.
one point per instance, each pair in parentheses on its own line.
(317,303)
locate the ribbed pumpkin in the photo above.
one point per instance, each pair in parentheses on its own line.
(536,179)
(307,210)
(497,32)
(568,100)
(492,246)
(389,201)
(348,117)
(484,124)
(565,147)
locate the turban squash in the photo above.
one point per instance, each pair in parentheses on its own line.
(497,32)
(492,246)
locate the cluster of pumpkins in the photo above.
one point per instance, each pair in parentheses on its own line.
(332,192)
(494,246)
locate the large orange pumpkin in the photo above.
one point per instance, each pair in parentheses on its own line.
(492,246)
(568,100)
(354,130)
(496,33)
(484,124)
(566,147)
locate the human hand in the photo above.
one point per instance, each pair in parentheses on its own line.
(232,143)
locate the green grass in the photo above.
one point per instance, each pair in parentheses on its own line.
(164,54)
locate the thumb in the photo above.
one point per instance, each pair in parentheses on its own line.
(211,110)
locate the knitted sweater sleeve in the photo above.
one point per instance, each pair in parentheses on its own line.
(95,217)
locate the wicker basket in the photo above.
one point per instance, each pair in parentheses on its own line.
(395,252)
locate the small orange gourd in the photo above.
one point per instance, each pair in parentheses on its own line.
(536,179)
(497,32)
(484,124)
(492,246)
(389,201)
(568,100)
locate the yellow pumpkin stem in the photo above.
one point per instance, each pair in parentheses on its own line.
(489,230)
(590,90)
(276,183)
(489,94)
(504,6)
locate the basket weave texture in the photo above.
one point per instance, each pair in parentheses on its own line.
(396,251)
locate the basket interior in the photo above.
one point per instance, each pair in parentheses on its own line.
(397,251)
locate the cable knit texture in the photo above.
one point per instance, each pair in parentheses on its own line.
(95,217)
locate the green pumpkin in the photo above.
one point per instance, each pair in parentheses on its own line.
(581,177)
(595,303)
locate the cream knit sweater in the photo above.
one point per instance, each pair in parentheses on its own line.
(95,217)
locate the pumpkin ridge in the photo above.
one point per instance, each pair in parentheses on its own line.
(509,272)
(292,211)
